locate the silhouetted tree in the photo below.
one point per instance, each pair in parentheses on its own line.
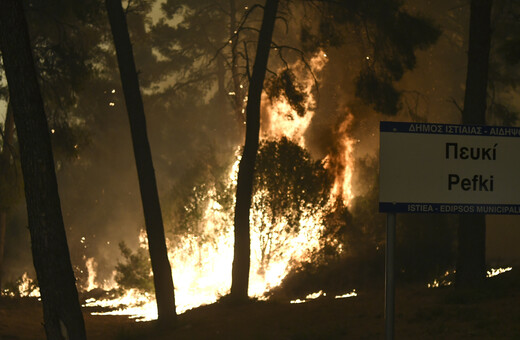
(9,180)
(471,256)
(242,250)
(62,65)
(61,308)
(163,282)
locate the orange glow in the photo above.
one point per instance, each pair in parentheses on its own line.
(201,263)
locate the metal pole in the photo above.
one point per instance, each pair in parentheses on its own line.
(390,277)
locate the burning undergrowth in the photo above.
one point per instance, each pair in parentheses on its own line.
(294,197)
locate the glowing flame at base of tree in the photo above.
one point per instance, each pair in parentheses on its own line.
(201,259)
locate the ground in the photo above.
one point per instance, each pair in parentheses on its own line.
(492,312)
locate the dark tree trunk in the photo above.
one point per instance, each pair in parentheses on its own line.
(5,157)
(61,308)
(471,255)
(3,227)
(162,274)
(242,251)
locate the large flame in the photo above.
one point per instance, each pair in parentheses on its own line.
(339,162)
(202,269)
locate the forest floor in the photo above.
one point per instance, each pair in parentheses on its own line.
(492,312)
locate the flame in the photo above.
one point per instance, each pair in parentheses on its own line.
(494,272)
(279,118)
(91,268)
(202,262)
(26,287)
(320,293)
(339,162)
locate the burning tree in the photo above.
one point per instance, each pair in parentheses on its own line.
(147,183)
(386,61)
(289,186)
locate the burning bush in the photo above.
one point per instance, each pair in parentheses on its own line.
(289,187)
(135,271)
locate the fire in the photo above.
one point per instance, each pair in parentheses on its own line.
(25,286)
(91,268)
(201,262)
(320,293)
(497,271)
(339,162)
(280,119)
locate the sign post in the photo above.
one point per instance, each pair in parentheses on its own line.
(448,169)
(389,276)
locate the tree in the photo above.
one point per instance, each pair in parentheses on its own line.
(382,27)
(288,184)
(471,256)
(209,45)
(242,250)
(62,64)
(61,308)
(9,181)
(163,281)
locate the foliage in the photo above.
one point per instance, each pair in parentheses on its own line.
(377,91)
(288,186)
(353,244)
(285,84)
(289,181)
(504,64)
(135,271)
(386,38)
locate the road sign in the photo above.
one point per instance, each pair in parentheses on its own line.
(448,168)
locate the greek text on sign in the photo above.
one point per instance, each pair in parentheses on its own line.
(447,168)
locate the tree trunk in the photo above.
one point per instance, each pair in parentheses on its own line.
(162,274)
(7,144)
(471,255)
(61,308)
(3,227)
(242,250)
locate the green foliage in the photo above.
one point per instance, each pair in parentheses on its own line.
(135,271)
(288,186)
(379,92)
(285,84)
(206,181)
(289,181)
(385,38)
